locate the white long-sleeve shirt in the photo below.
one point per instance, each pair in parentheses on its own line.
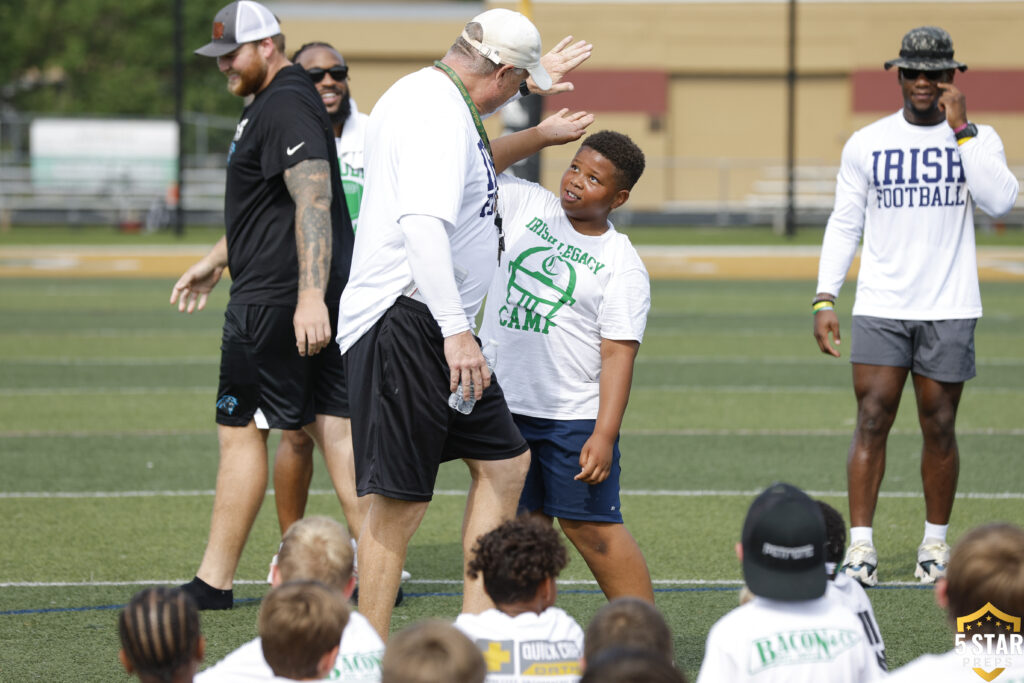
(910,191)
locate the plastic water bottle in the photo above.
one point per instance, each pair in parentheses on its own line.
(465,405)
(462,405)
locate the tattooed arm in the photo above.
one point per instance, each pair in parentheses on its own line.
(309,184)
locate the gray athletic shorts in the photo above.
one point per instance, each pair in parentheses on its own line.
(942,350)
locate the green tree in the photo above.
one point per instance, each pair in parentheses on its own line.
(116,57)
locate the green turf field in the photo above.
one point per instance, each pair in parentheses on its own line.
(108,452)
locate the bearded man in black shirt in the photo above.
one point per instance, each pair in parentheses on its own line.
(288,245)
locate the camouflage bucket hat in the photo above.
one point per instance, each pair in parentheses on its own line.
(928,48)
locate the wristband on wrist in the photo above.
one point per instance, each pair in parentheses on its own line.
(524,89)
(822,305)
(959,128)
(965,133)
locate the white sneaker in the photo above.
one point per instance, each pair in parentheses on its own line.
(932,560)
(270,571)
(355,564)
(861,563)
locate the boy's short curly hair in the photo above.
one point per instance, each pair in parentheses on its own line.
(622,152)
(835,532)
(515,558)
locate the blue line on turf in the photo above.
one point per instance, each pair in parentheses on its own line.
(439,594)
(92,608)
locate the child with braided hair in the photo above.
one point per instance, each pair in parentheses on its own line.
(524,637)
(160,638)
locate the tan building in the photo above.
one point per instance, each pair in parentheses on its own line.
(701,86)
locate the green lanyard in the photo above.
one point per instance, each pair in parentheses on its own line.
(478,122)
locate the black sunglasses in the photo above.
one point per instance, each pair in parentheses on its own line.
(338,73)
(933,76)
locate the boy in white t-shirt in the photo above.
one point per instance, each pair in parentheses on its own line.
(845,589)
(524,637)
(791,631)
(564,318)
(301,623)
(314,548)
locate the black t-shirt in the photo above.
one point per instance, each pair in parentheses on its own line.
(285,124)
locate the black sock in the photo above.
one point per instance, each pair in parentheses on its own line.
(208,597)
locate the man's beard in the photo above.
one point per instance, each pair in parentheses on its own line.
(249,81)
(344,111)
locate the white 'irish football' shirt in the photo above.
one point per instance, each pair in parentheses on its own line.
(911,191)
(423,156)
(556,295)
(358,658)
(768,641)
(526,648)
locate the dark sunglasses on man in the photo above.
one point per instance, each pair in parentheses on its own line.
(933,76)
(338,73)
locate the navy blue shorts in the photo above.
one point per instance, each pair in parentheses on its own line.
(555,447)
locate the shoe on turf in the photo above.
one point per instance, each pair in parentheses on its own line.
(932,560)
(207,597)
(398,598)
(861,563)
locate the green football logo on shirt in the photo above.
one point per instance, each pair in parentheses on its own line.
(540,283)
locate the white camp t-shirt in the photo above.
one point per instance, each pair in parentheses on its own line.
(350,160)
(423,156)
(529,647)
(953,668)
(358,658)
(851,594)
(556,294)
(911,191)
(767,641)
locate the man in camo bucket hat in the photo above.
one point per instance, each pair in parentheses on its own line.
(926,47)
(908,185)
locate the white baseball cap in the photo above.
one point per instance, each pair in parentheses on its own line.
(510,38)
(240,22)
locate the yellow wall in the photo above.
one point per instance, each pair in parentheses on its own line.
(725,125)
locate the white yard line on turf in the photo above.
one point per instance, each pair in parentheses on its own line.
(77,434)
(418,582)
(701,389)
(664,493)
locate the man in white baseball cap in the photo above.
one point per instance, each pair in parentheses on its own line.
(426,249)
(510,38)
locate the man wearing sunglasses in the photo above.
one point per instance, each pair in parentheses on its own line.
(293,461)
(908,184)
(329,73)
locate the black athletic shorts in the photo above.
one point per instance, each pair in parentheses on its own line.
(260,368)
(402,427)
(330,386)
